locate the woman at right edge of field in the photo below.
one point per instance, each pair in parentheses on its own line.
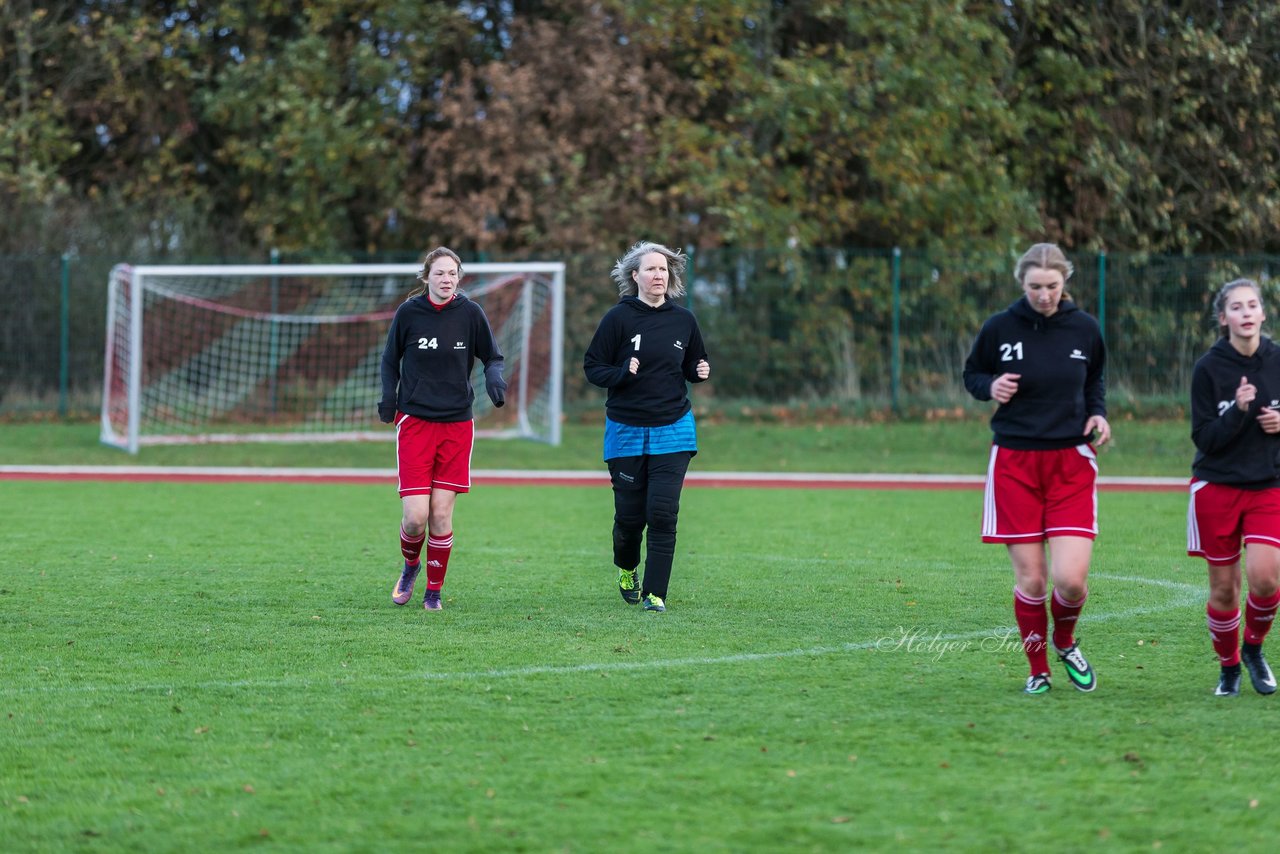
(1235,483)
(1042,360)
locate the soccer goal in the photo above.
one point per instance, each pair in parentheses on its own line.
(291,353)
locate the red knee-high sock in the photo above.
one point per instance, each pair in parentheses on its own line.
(1065,615)
(438,549)
(411,547)
(1033,626)
(1259,613)
(1224,629)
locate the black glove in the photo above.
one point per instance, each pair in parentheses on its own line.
(495,385)
(386,412)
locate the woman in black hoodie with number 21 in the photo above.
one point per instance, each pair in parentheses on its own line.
(1042,360)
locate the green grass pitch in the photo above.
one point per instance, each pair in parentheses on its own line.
(219,667)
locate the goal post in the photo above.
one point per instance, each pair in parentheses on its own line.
(292,352)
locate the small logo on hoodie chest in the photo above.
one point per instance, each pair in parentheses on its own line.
(1076,354)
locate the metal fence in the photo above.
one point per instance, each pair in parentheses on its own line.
(863,330)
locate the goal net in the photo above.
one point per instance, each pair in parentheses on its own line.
(286,353)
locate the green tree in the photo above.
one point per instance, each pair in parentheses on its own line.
(549,147)
(37,88)
(553,126)
(211,128)
(312,116)
(1152,127)
(827,123)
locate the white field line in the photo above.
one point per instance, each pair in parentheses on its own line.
(1002,637)
(1190,595)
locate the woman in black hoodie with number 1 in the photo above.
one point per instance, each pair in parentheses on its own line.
(646,351)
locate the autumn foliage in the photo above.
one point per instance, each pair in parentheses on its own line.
(198,129)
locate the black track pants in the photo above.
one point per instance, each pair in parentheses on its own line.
(646,493)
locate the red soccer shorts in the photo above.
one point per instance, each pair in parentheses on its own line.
(1220,516)
(1034,495)
(432,454)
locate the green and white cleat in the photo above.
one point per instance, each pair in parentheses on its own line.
(1037,683)
(1078,669)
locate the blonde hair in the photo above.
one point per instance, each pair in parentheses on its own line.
(630,263)
(1045,256)
(429,259)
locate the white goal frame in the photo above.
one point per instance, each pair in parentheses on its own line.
(123,400)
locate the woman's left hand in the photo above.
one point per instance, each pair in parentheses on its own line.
(1097,422)
(1269,419)
(703,369)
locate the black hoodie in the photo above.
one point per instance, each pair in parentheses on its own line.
(668,344)
(1061,359)
(426,364)
(1231,446)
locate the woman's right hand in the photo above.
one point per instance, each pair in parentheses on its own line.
(1245,394)
(1004,387)
(633,366)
